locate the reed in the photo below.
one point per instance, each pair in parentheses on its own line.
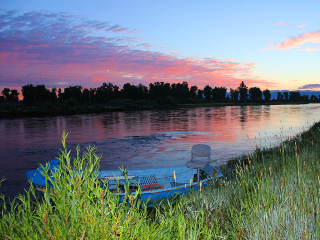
(273,194)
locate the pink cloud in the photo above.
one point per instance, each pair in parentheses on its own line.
(312,49)
(302,26)
(116,29)
(136,31)
(281,24)
(295,42)
(66,55)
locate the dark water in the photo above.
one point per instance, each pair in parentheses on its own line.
(147,139)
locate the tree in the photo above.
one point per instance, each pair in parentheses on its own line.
(207,93)
(234,95)
(294,97)
(279,97)
(41,93)
(28,92)
(142,91)
(286,96)
(267,95)
(6,93)
(53,95)
(74,92)
(159,90)
(193,92)
(313,98)
(14,96)
(219,94)
(116,92)
(85,95)
(200,94)
(255,94)
(243,90)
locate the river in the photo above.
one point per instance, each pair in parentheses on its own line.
(147,139)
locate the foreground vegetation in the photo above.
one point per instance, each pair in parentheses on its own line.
(270,194)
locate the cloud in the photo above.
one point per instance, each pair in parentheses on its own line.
(116,29)
(302,26)
(281,24)
(59,49)
(310,86)
(295,42)
(271,44)
(312,49)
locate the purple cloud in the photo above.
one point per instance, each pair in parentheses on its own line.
(59,49)
(310,86)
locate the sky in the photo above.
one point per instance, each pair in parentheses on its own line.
(272,45)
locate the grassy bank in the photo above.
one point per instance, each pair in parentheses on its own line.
(270,194)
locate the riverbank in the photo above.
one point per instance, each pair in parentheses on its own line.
(271,193)
(16,110)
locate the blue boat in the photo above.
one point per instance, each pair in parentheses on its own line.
(155,184)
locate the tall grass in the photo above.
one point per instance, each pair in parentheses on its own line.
(274,194)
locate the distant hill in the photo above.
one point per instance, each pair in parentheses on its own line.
(274,93)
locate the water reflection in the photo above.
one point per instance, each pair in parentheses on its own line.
(147,139)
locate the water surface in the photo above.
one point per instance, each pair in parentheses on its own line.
(147,139)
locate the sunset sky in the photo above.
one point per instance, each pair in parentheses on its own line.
(266,44)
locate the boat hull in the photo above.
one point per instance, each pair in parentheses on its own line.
(173,181)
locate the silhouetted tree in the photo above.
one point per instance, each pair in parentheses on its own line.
(286,96)
(28,93)
(159,90)
(294,97)
(85,95)
(234,95)
(116,92)
(207,93)
(267,95)
(92,94)
(200,94)
(14,96)
(193,91)
(74,92)
(130,91)
(105,93)
(53,95)
(185,90)
(279,97)
(243,90)
(60,94)
(255,94)
(6,93)
(142,91)
(41,94)
(313,98)
(219,94)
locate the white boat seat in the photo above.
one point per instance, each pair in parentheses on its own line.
(199,151)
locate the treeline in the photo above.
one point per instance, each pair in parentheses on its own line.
(158,92)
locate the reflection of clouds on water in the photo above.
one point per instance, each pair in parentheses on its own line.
(147,139)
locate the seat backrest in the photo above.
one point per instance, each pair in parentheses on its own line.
(200,150)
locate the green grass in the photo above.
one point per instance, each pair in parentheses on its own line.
(272,194)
